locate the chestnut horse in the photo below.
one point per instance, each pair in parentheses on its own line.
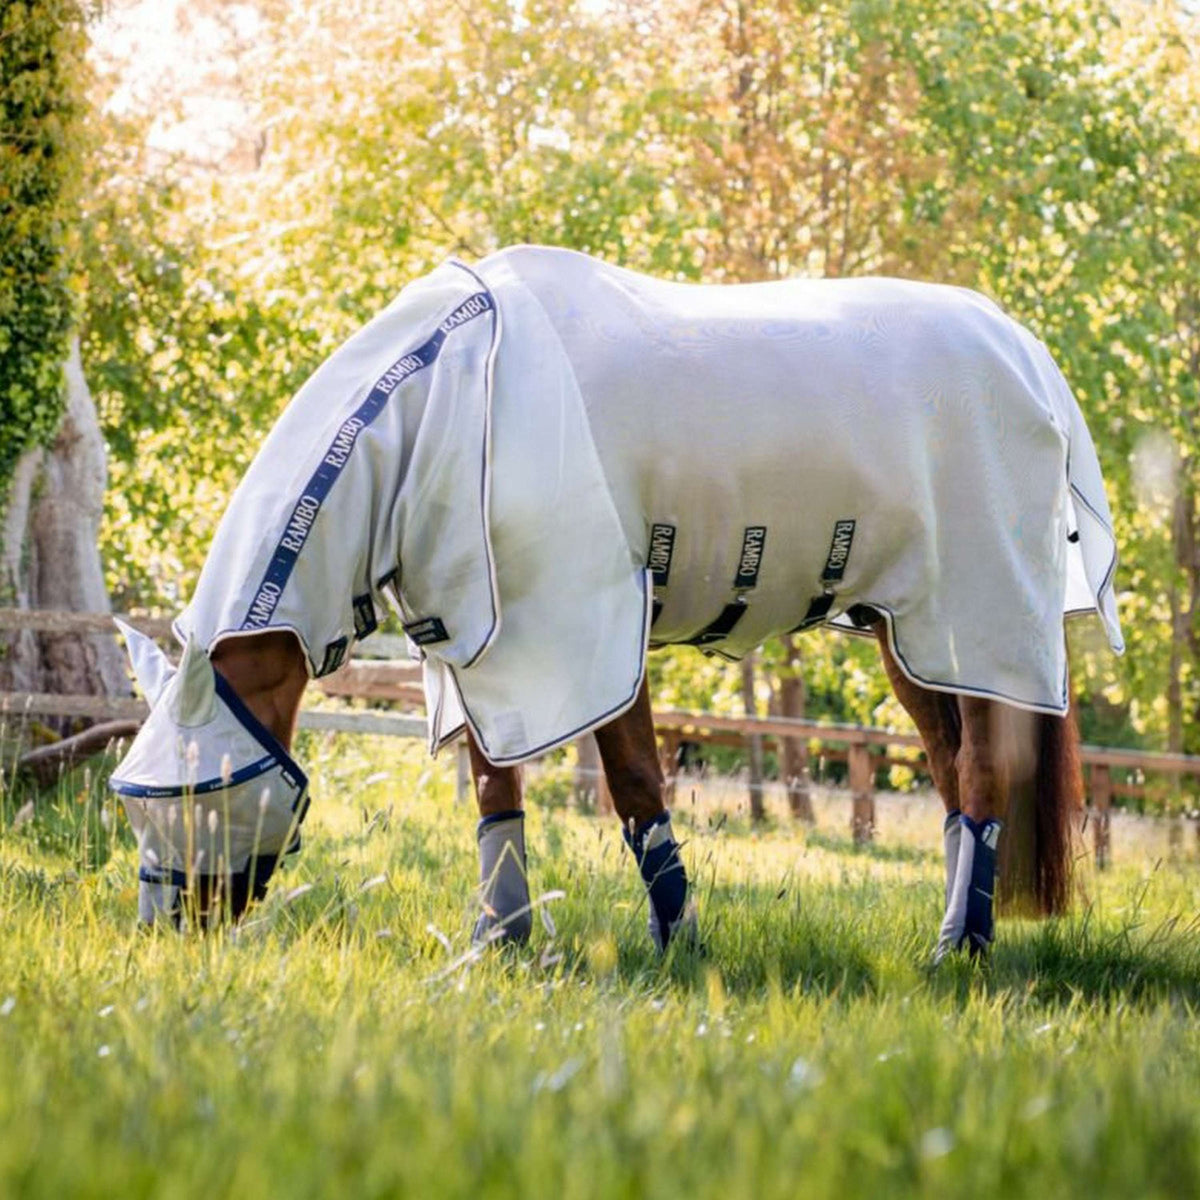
(549,465)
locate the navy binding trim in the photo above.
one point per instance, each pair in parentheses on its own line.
(512,814)
(141,791)
(337,455)
(261,734)
(276,756)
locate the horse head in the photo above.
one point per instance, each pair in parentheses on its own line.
(211,793)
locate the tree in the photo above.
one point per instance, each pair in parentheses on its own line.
(51,453)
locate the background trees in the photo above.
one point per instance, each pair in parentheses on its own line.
(1048,154)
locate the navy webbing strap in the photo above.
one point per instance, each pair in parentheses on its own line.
(818,610)
(722,627)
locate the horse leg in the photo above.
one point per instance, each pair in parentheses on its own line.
(503,879)
(633,770)
(937,719)
(983,770)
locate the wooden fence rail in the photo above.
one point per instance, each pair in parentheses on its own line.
(864,748)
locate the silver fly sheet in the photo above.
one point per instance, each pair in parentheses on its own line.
(549,463)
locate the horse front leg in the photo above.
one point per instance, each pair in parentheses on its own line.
(969,922)
(503,877)
(632,768)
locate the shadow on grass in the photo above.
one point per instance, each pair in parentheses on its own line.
(1075,957)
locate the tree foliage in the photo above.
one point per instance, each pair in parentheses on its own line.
(41,95)
(1045,153)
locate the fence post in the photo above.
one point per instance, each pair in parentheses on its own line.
(591,788)
(462,770)
(862,788)
(1101,781)
(668,757)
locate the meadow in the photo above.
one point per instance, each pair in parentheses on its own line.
(344,1042)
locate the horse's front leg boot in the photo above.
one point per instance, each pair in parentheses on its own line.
(503,883)
(969,922)
(951,840)
(672,915)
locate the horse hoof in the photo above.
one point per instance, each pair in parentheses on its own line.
(491,929)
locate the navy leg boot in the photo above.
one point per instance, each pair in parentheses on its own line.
(657,855)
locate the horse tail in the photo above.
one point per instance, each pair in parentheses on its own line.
(1035,872)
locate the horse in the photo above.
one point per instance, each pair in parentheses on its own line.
(548,466)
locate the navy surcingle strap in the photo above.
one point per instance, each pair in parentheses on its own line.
(304,512)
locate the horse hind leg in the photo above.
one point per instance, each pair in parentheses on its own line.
(969,921)
(939,723)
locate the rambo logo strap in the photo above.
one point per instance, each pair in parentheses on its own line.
(835,568)
(754,539)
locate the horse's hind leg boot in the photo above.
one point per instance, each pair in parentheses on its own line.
(969,922)
(657,855)
(951,839)
(503,883)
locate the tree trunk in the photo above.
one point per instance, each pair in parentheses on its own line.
(1181,600)
(50,557)
(754,742)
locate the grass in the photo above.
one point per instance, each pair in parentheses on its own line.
(331,1048)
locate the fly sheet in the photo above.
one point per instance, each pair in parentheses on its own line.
(547,463)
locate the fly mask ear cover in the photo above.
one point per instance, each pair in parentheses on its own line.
(206,786)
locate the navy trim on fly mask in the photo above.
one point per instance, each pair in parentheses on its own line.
(261,734)
(276,756)
(308,506)
(140,791)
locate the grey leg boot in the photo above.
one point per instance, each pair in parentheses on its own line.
(951,839)
(503,886)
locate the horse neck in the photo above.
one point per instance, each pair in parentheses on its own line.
(268,673)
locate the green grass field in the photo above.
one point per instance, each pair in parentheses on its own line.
(332,1046)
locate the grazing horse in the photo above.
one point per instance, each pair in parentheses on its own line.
(548,465)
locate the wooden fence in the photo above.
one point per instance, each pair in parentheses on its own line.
(864,748)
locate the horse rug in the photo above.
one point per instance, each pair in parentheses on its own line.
(547,464)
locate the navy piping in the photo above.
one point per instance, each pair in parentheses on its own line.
(1112,566)
(957,690)
(259,731)
(276,756)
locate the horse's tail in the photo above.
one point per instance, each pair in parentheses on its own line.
(1037,849)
